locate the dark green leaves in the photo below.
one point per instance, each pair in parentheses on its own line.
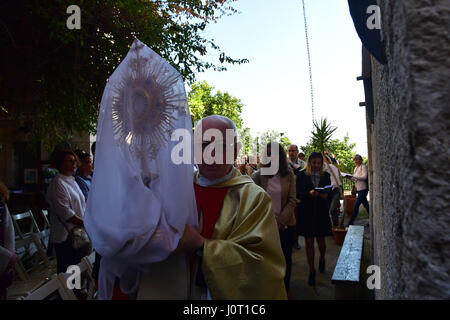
(56,76)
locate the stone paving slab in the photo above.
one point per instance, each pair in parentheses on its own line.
(324,289)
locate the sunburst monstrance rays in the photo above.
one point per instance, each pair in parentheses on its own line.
(145,103)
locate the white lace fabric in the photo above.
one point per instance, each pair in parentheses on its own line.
(139,201)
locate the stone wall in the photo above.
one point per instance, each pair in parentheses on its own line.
(410,151)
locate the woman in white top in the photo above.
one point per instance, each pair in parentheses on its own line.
(67,207)
(360,176)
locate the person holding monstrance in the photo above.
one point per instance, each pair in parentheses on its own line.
(140,201)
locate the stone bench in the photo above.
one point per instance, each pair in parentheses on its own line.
(346,276)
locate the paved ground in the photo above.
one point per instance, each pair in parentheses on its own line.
(324,290)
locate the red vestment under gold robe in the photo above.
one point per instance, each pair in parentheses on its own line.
(242,256)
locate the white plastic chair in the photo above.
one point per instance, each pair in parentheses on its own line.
(24,216)
(28,242)
(46,219)
(86,267)
(57,285)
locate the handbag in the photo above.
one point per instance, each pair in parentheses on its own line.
(81,241)
(79,238)
(354,191)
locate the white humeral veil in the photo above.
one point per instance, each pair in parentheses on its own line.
(139,200)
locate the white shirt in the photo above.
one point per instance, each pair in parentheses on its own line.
(298,164)
(66,200)
(329,168)
(205,182)
(359,177)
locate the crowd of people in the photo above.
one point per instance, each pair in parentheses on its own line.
(249,223)
(182,228)
(313,196)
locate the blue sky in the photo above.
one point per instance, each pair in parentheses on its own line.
(274,86)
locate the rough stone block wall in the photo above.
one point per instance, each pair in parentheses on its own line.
(411,154)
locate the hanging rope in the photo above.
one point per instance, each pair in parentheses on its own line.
(309,62)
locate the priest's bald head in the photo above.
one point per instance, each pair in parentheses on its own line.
(216,146)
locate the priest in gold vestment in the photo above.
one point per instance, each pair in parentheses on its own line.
(236,253)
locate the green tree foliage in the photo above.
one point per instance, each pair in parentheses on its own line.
(285,142)
(202,103)
(271,135)
(344,153)
(54,77)
(246,140)
(253,145)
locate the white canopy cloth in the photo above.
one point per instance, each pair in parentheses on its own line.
(139,200)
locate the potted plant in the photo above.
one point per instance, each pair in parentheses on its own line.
(340,231)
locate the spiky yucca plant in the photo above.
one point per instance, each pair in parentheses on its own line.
(321,134)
